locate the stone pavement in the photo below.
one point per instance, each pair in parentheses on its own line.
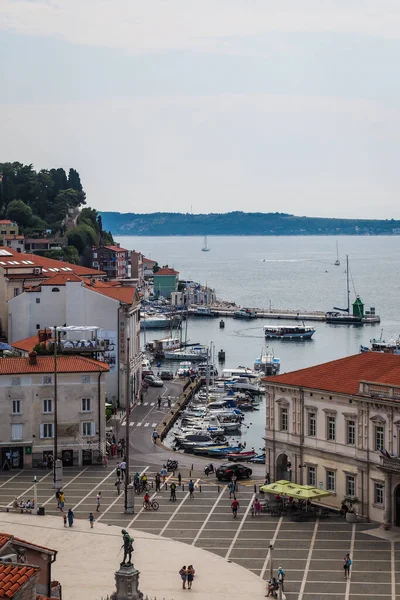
(311,553)
(87,559)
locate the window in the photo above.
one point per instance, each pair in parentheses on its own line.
(331,481)
(331,428)
(37,325)
(16,407)
(379,437)
(88,429)
(312,424)
(350,485)
(47,380)
(311,476)
(284,419)
(37,300)
(46,430)
(351,433)
(86,405)
(16,292)
(86,379)
(55,289)
(16,432)
(47,405)
(16,381)
(378,493)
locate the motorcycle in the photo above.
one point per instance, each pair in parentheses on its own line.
(209,468)
(172,465)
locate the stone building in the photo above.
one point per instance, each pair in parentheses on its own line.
(337,426)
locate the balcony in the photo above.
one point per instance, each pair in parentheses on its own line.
(390,464)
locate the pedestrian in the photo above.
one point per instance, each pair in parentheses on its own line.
(155,436)
(257,506)
(273,586)
(70,517)
(123,469)
(159,402)
(65,519)
(281,577)
(158,481)
(169,401)
(144,479)
(164,472)
(173,492)
(62,501)
(179,479)
(114,439)
(346,566)
(234,506)
(183,574)
(190,576)
(45,462)
(118,486)
(105,460)
(91,520)
(267,479)
(231,488)
(191,489)
(118,471)
(58,498)
(234,479)
(98,501)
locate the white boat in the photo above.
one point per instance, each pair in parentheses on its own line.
(204,311)
(205,248)
(195,353)
(268,363)
(337,261)
(242,384)
(289,332)
(184,369)
(158,321)
(244,313)
(239,372)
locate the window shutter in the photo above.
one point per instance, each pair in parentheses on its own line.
(41,430)
(92,428)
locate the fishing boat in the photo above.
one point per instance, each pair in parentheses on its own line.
(205,248)
(244,313)
(289,332)
(389,347)
(337,261)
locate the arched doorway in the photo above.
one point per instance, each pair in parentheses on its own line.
(397,506)
(283,468)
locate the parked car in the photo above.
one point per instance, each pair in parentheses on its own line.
(153,381)
(147,372)
(166,375)
(227,470)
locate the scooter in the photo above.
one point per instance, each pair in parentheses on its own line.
(209,468)
(172,465)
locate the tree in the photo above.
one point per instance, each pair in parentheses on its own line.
(74,181)
(20,212)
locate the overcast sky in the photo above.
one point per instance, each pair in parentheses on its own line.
(208,105)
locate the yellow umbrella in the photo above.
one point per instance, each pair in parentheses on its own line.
(278,487)
(308,492)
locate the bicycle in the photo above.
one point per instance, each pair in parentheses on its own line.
(152,505)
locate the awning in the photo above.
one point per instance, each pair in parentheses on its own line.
(294,490)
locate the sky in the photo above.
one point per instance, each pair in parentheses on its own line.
(208,105)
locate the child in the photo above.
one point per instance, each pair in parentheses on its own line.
(91,519)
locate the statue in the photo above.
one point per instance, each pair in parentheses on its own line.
(128,548)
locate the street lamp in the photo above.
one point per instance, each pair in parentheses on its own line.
(271,564)
(35,491)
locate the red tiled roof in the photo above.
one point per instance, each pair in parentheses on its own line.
(14,577)
(61,279)
(45,364)
(148,260)
(14,237)
(122,294)
(41,261)
(27,344)
(344,375)
(6,537)
(7,222)
(166,271)
(116,249)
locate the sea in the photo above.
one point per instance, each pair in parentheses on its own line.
(282,272)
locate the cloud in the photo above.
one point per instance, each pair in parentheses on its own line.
(143,26)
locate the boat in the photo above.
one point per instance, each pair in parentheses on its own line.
(203,311)
(221,451)
(239,372)
(159,321)
(185,369)
(244,385)
(244,313)
(267,363)
(205,248)
(289,332)
(258,460)
(337,261)
(221,356)
(389,347)
(241,455)
(342,316)
(195,353)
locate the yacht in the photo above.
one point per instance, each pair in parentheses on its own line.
(158,321)
(267,363)
(205,248)
(186,354)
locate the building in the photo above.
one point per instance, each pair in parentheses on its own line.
(44,244)
(148,266)
(193,294)
(18,272)
(137,268)
(337,426)
(8,227)
(113,260)
(15,242)
(165,282)
(68,300)
(29,391)
(30,566)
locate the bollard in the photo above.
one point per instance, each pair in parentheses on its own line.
(255,489)
(200,488)
(190,473)
(183,487)
(191,469)
(166,485)
(151,485)
(218,489)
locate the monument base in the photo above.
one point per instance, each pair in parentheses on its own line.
(127,582)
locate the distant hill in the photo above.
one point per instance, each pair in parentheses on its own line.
(241,223)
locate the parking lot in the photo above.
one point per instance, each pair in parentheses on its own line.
(311,553)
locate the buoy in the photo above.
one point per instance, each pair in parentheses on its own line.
(221,324)
(221,355)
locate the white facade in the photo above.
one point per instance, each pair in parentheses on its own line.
(333,441)
(76,304)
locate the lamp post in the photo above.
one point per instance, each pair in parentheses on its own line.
(129,497)
(35,491)
(55,452)
(271,563)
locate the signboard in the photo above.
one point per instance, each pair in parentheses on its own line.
(28,449)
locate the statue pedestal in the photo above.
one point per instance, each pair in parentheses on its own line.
(127,582)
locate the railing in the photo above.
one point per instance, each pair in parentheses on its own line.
(392,464)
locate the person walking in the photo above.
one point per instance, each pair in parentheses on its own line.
(173,492)
(158,482)
(105,460)
(231,488)
(234,507)
(191,489)
(123,469)
(118,486)
(155,436)
(257,506)
(70,517)
(62,501)
(179,479)
(118,471)
(58,498)
(183,574)
(281,577)
(190,576)
(164,473)
(234,479)
(98,501)
(346,565)
(159,402)
(91,520)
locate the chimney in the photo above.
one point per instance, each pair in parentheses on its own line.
(32,357)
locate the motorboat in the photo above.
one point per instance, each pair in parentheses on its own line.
(244,313)
(184,369)
(227,426)
(389,347)
(239,372)
(242,384)
(193,354)
(268,364)
(159,321)
(241,455)
(222,451)
(203,311)
(289,332)
(198,428)
(258,460)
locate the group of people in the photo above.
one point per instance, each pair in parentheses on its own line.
(29,505)
(187,575)
(275,582)
(117,448)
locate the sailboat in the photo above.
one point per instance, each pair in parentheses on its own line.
(337,261)
(344,317)
(205,248)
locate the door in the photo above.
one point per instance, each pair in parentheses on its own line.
(67,458)
(86,457)
(397,505)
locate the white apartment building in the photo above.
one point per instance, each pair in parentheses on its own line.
(331,425)
(66,299)
(29,390)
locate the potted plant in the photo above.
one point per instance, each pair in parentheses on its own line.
(351,502)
